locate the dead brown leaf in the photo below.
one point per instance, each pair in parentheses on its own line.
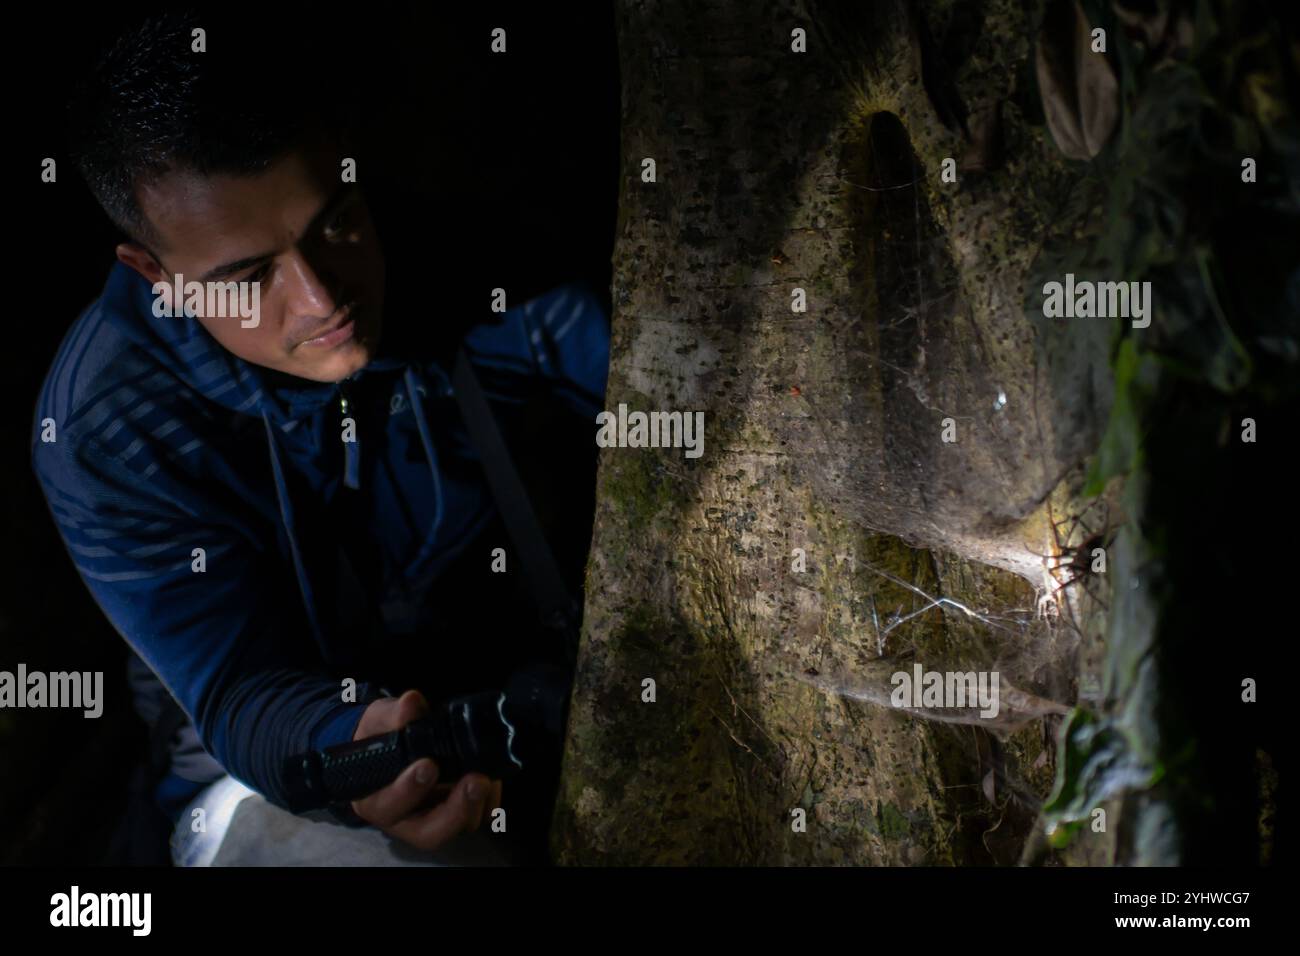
(1079,89)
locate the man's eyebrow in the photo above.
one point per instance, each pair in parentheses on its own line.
(230,268)
(345,193)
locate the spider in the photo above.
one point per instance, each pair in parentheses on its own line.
(1067,564)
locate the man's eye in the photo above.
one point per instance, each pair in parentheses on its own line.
(336,226)
(260,273)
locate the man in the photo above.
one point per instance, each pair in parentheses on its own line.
(276,508)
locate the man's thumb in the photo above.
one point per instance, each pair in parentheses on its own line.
(410,706)
(391,713)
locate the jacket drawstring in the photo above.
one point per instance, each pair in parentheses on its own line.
(286,515)
(426,439)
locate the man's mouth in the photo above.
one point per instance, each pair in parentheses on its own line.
(334,334)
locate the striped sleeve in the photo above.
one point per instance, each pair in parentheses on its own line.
(559,339)
(211,611)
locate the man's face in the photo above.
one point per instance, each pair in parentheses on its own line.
(306,237)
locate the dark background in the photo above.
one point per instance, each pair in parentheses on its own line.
(484,170)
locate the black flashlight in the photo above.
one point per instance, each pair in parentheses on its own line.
(497,733)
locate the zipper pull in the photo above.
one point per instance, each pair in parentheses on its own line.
(351,449)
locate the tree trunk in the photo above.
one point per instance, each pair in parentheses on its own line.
(893,477)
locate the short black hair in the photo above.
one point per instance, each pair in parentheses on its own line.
(267,82)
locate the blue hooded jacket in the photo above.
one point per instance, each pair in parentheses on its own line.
(193,491)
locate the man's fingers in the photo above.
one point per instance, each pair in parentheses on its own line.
(435,796)
(481,787)
(386,807)
(433,828)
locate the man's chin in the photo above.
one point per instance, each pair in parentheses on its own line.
(338,365)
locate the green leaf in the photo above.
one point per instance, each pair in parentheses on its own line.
(1096,761)
(1117,453)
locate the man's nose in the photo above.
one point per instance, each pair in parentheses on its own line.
(312,288)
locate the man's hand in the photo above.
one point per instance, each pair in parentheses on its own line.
(415,808)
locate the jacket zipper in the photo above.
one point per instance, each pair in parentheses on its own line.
(351,451)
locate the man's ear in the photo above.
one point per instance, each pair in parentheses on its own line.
(141,260)
(146,263)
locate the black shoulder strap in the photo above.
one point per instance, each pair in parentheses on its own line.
(557,607)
